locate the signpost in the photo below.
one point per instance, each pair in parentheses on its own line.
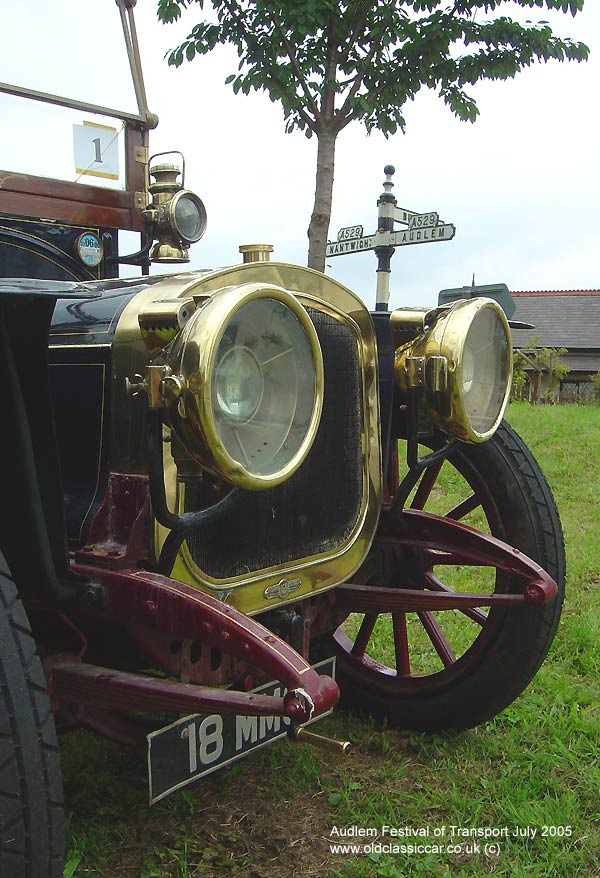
(423,235)
(421,228)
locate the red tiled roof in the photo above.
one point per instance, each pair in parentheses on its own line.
(555,292)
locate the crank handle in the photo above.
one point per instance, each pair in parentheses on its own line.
(331,745)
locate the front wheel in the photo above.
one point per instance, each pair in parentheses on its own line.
(436,670)
(31,809)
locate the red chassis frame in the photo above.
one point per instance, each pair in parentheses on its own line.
(157,612)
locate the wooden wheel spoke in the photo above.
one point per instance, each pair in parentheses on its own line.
(364,635)
(462,509)
(401,644)
(435,584)
(435,556)
(436,635)
(426,485)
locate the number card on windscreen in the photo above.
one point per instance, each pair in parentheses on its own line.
(96,150)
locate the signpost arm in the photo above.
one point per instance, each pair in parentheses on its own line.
(421,228)
(385,224)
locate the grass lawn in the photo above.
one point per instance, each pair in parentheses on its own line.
(530,777)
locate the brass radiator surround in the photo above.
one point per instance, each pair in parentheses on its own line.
(286,582)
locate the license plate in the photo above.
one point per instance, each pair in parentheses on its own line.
(197,745)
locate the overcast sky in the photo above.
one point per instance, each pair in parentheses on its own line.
(521,185)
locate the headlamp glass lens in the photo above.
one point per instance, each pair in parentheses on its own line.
(264,386)
(239,384)
(485,370)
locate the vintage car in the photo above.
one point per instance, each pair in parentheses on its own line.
(233,497)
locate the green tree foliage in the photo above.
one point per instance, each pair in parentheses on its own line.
(333,62)
(596,386)
(546,363)
(552,370)
(520,380)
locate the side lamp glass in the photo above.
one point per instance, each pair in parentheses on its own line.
(188,216)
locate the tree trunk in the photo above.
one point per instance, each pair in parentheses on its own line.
(321,215)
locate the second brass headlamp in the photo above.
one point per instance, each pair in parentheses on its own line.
(461,357)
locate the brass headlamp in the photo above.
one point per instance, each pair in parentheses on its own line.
(242,382)
(176,215)
(462,359)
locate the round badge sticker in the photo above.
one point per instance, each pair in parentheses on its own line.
(90,249)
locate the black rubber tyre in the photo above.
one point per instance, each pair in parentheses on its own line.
(31,798)
(508,644)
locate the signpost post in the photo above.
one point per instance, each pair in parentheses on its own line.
(420,228)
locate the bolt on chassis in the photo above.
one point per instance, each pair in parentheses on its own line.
(233,497)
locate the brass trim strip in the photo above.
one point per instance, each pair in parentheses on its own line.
(77,347)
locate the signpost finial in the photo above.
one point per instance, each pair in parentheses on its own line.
(386,196)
